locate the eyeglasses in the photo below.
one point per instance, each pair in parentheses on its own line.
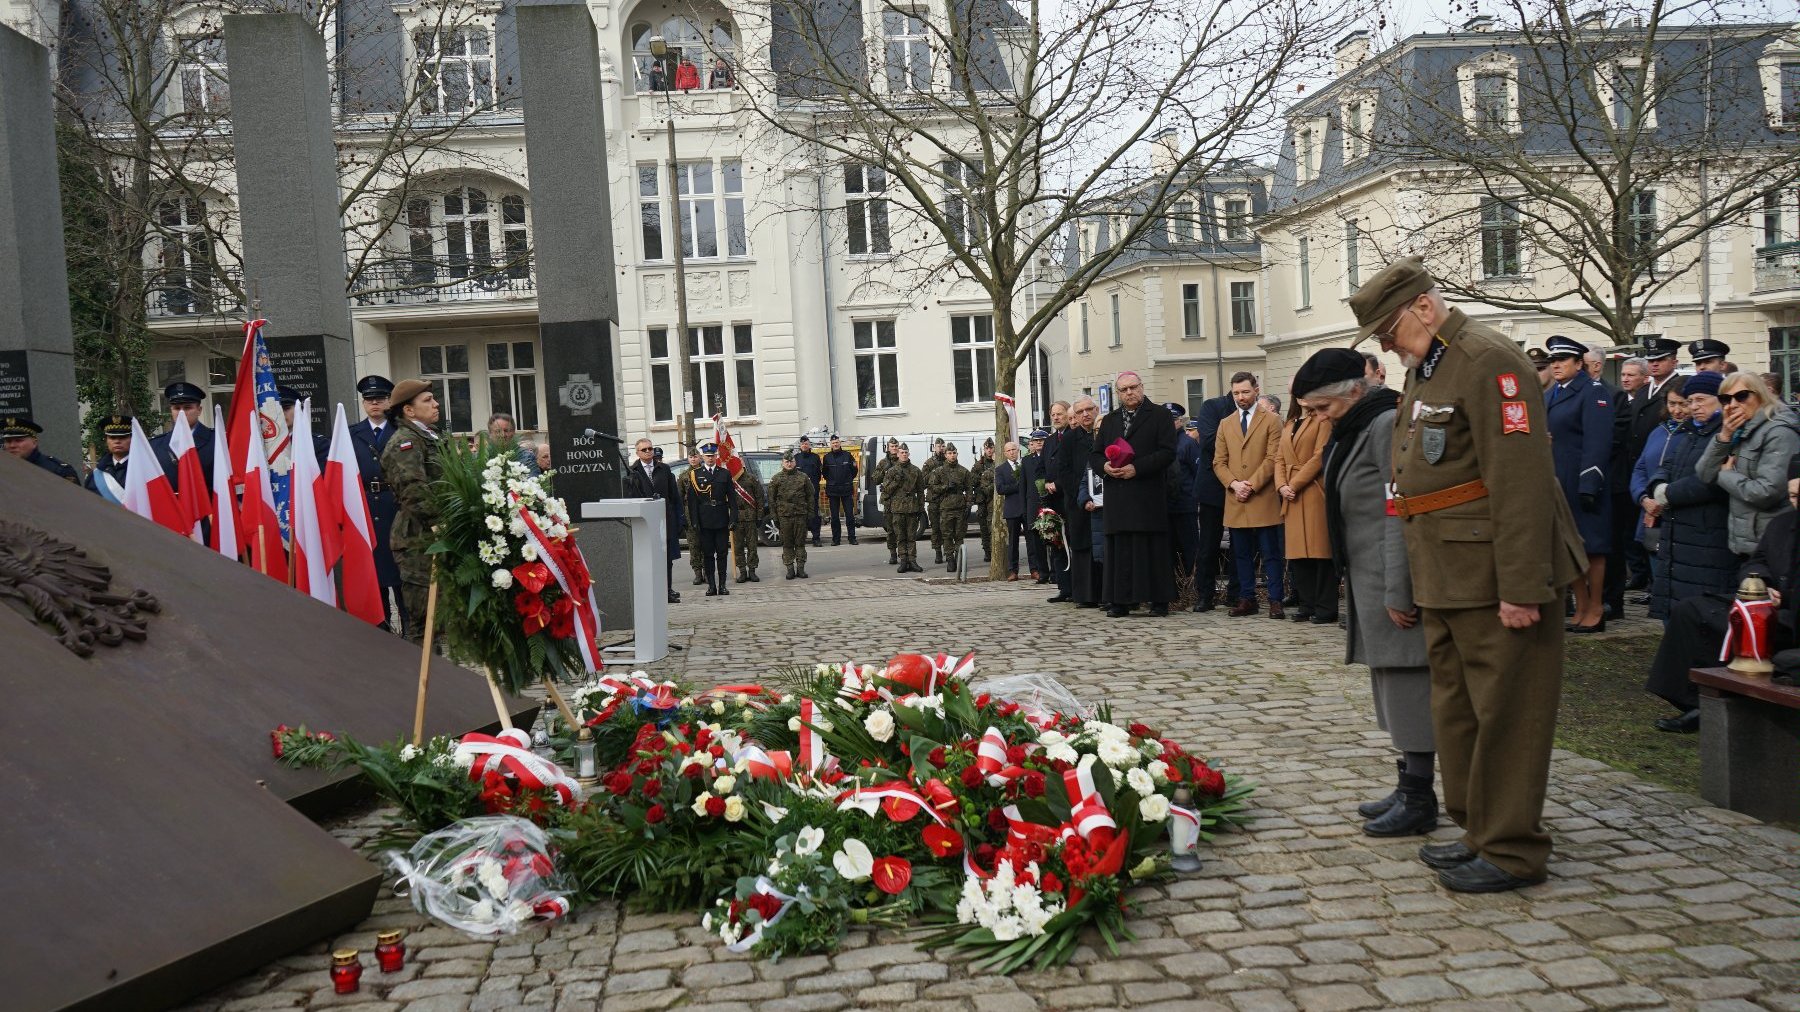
(1385,334)
(1740,396)
(646,449)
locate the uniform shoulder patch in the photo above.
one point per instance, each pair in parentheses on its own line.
(406,444)
(1509,384)
(1514,417)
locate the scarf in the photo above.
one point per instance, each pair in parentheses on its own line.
(1345,431)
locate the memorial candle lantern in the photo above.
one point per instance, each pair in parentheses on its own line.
(585,770)
(1747,633)
(390,951)
(346,971)
(1184,831)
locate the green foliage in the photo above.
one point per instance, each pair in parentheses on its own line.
(657,870)
(425,784)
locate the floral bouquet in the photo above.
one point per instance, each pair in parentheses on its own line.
(1049,525)
(516,594)
(487,876)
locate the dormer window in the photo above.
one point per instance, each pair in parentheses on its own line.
(1235,217)
(1779,70)
(1306,147)
(908,50)
(1489,91)
(455,68)
(201,66)
(1355,118)
(1491,101)
(1626,89)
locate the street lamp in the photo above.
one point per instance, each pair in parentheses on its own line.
(659,51)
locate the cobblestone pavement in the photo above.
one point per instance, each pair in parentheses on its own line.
(1654,899)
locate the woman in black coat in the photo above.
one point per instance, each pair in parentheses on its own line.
(1140,563)
(1073,454)
(1693,517)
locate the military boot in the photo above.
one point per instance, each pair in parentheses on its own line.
(790,571)
(753,578)
(893,557)
(800,571)
(743,575)
(940,554)
(1415,813)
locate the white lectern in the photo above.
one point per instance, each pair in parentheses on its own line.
(649,577)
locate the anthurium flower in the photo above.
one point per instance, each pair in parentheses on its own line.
(942,841)
(808,840)
(532,576)
(891,874)
(854,862)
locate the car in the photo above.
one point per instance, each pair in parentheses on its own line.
(767,464)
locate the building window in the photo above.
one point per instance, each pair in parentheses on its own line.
(908,51)
(1181,222)
(1790,93)
(972,357)
(446,367)
(514,236)
(1306,155)
(1500,239)
(1493,101)
(1116,336)
(1243,307)
(866,208)
(512,382)
(737,234)
(723,378)
(877,365)
(1624,96)
(451,237)
(204,91)
(455,69)
(1352,255)
(1237,219)
(1771,218)
(1084,327)
(168,370)
(662,393)
(184,281)
(960,192)
(1784,359)
(1040,376)
(1355,136)
(1305,269)
(650,211)
(1196,396)
(467,236)
(696,58)
(1640,238)
(699,227)
(1190,311)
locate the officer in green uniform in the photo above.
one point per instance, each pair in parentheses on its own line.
(925,473)
(902,495)
(951,487)
(693,529)
(409,465)
(983,473)
(792,498)
(880,474)
(749,525)
(1492,547)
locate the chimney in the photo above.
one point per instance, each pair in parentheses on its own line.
(1165,150)
(1352,50)
(1479,23)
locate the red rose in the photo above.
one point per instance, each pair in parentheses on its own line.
(936,757)
(618,783)
(765,905)
(646,767)
(1060,766)
(652,788)
(1211,781)
(654,814)
(715,806)
(693,771)
(996,820)
(1141,731)
(982,701)
(1015,754)
(1051,883)
(1033,783)
(971,777)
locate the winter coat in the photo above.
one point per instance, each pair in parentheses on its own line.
(1138,504)
(1191,462)
(1579,416)
(1077,445)
(1757,480)
(1096,517)
(1655,445)
(1376,576)
(1249,455)
(1299,458)
(1207,489)
(1694,545)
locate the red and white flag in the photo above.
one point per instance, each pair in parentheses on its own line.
(261,524)
(348,530)
(225,509)
(191,491)
(728,458)
(1012,415)
(312,566)
(147,490)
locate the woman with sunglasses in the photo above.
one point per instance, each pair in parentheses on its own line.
(1748,457)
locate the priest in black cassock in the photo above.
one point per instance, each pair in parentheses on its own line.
(1140,566)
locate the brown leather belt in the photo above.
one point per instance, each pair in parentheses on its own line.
(1429,502)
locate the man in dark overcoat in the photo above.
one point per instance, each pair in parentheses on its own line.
(1140,563)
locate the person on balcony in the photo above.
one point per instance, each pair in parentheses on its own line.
(687,76)
(721,74)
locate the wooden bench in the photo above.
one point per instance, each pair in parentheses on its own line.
(1749,744)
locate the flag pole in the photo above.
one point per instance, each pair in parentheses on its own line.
(562,705)
(499,703)
(262,550)
(424,662)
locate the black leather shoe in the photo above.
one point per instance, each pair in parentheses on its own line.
(1117,612)
(724,591)
(1058,599)
(1478,876)
(1330,619)
(674,597)
(1088,604)
(1301,615)
(1415,813)
(1159,610)
(1446,855)
(1205,605)
(1586,630)
(1687,723)
(1376,809)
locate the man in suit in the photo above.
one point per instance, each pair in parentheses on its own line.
(1009,485)
(1209,508)
(184,399)
(1058,475)
(1140,568)
(1033,469)
(650,478)
(1244,463)
(712,503)
(368,437)
(116,430)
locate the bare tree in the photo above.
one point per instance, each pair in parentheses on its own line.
(997,126)
(1586,167)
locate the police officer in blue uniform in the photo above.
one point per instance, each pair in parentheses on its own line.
(19,434)
(369,437)
(116,430)
(184,399)
(1578,412)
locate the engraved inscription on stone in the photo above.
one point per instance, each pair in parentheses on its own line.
(55,583)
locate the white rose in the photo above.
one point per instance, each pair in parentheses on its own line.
(808,840)
(1159,771)
(700,804)
(724,784)
(1141,782)
(495,524)
(734,808)
(718,706)
(1154,808)
(880,725)
(794,723)
(503,578)
(1048,738)
(409,752)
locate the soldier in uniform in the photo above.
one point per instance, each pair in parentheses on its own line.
(184,399)
(712,505)
(983,474)
(749,525)
(902,492)
(693,527)
(116,430)
(19,433)
(368,437)
(951,486)
(1492,546)
(791,497)
(409,466)
(925,472)
(881,469)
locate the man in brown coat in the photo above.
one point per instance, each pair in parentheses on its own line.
(1491,545)
(1244,461)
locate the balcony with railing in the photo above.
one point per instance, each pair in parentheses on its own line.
(429,282)
(188,292)
(1777,274)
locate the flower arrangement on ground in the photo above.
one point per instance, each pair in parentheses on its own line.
(850,794)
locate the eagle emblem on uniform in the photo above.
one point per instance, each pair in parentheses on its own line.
(1509,385)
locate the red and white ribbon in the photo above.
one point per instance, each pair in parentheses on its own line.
(563,559)
(510,754)
(945,668)
(1088,815)
(1747,630)
(858,797)
(763,885)
(812,750)
(762,765)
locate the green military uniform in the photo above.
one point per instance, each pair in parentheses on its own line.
(983,474)
(791,498)
(749,526)
(693,540)
(1473,411)
(925,505)
(409,466)
(902,494)
(880,474)
(951,486)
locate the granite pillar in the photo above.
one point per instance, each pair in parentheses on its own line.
(37,346)
(293,242)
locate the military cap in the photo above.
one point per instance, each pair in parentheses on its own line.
(116,426)
(656,454)
(709,448)
(1662,347)
(893,441)
(1039,434)
(836,436)
(1538,357)
(1328,366)
(1192,425)
(949,447)
(19,427)
(287,395)
(374,388)
(988,444)
(806,439)
(404,393)
(1174,409)
(182,392)
(1559,346)
(1383,295)
(788,455)
(1707,348)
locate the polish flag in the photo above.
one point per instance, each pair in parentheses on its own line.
(192,494)
(147,490)
(312,567)
(261,524)
(349,532)
(225,510)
